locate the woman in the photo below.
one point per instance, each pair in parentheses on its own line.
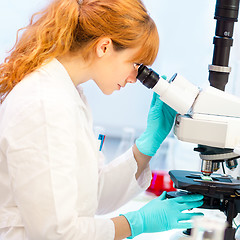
(51,183)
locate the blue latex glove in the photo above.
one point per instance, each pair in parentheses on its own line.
(159,124)
(163,214)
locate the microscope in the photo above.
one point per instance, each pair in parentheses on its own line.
(210,118)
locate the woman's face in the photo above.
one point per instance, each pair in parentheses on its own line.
(112,69)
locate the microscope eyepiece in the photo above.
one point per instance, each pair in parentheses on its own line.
(226,13)
(178,93)
(147,76)
(227,9)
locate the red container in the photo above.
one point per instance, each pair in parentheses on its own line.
(161,182)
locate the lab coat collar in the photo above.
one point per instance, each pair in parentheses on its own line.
(55,69)
(58,72)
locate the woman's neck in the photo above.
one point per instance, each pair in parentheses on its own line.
(78,69)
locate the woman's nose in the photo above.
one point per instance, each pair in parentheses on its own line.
(132,78)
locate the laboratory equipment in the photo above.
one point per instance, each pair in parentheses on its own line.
(210,118)
(206,228)
(160,182)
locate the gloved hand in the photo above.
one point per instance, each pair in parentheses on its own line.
(159,124)
(163,214)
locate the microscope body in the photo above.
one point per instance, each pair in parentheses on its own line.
(208,116)
(213,120)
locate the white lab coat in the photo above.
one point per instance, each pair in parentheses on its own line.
(51,185)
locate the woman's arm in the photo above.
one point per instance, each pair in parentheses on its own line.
(122,228)
(119,177)
(141,159)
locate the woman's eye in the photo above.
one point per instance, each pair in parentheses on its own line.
(136,65)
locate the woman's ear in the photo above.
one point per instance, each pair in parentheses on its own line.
(104,46)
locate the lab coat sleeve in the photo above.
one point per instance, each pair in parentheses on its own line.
(41,154)
(117,182)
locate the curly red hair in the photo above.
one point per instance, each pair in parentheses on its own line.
(67,26)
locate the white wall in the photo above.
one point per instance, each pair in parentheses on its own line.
(14,15)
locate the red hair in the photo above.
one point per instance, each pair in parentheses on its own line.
(67,26)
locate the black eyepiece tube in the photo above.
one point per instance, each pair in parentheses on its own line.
(226,13)
(147,76)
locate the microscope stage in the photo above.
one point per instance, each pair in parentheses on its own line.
(220,186)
